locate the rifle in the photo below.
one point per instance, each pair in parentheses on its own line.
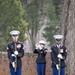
(15,57)
(59,61)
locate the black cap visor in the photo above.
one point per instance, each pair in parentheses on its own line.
(58,39)
(14,35)
(42,44)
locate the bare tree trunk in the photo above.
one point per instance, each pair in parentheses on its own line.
(68,30)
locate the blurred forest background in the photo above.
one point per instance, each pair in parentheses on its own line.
(36,20)
(31,18)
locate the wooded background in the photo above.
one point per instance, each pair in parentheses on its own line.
(39,19)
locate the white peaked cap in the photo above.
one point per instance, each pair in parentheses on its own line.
(58,36)
(42,41)
(14,32)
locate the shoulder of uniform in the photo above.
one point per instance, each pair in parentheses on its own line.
(54,45)
(63,45)
(8,46)
(9,42)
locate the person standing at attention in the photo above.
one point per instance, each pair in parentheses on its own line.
(15,50)
(58,54)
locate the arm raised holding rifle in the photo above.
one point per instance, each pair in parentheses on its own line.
(15,51)
(58,54)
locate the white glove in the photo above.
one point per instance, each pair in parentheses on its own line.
(60,56)
(38,46)
(46,50)
(13,64)
(57,66)
(16,52)
(13,55)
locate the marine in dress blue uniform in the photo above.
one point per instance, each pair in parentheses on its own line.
(58,54)
(41,61)
(12,54)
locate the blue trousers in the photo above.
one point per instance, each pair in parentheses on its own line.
(41,69)
(55,71)
(18,71)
